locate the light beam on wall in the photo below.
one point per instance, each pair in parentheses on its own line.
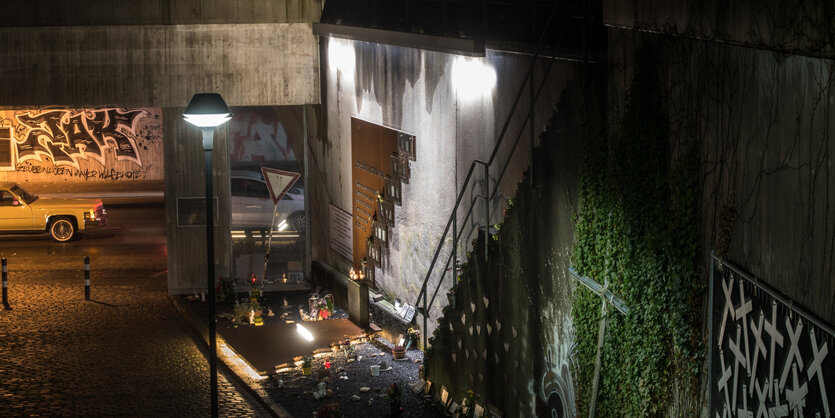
(472,77)
(341,57)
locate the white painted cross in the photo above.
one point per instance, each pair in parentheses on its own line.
(742,312)
(607,297)
(759,348)
(776,337)
(723,381)
(794,350)
(744,412)
(762,393)
(815,369)
(739,358)
(797,395)
(778,410)
(727,289)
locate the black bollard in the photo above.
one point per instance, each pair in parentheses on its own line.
(5,286)
(86,278)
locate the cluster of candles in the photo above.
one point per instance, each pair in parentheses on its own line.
(354,275)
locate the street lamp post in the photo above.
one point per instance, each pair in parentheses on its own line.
(208,111)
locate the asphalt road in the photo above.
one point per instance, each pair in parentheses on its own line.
(132,231)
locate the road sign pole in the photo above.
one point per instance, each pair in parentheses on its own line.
(269,242)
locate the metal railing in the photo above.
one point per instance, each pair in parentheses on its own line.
(452,223)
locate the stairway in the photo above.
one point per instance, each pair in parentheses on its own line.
(506,332)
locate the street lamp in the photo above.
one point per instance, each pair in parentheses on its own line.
(208,111)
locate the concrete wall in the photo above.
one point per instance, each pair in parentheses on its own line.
(157,12)
(800,27)
(412,91)
(766,123)
(92,147)
(158,66)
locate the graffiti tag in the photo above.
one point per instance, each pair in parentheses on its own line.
(87,175)
(66,136)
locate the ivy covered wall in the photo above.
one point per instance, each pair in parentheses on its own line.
(698,147)
(637,231)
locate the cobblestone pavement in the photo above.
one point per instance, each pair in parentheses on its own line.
(126,353)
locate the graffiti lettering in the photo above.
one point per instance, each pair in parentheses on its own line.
(87,175)
(66,136)
(258,135)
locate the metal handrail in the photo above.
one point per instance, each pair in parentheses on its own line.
(453,216)
(446,266)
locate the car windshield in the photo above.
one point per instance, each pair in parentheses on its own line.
(23,194)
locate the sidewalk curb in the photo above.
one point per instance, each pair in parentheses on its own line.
(234,372)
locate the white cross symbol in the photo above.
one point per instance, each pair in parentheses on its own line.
(744,309)
(778,411)
(815,369)
(759,347)
(723,381)
(796,396)
(738,359)
(744,412)
(727,289)
(794,350)
(776,337)
(762,411)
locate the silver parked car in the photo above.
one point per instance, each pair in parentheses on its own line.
(252,206)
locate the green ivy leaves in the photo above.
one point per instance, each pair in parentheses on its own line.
(637,230)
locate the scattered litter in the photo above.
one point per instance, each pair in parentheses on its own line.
(355,398)
(364,389)
(359,358)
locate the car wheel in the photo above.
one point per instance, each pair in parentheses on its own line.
(62,229)
(297,220)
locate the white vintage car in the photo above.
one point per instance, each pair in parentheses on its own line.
(252,206)
(22,212)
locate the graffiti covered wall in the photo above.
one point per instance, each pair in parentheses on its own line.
(258,135)
(81,145)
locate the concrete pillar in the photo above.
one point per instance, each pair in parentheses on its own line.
(184,179)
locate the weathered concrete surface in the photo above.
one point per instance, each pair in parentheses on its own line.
(184,167)
(412,91)
(157,12)
(158,66)
(802,27)
(766,124)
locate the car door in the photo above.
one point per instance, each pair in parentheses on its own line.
(252,206)
(15,215)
